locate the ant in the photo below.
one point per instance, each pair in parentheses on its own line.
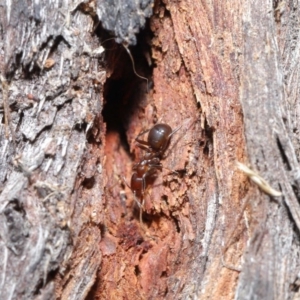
(145,171)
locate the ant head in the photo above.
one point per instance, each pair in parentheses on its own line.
(159,137)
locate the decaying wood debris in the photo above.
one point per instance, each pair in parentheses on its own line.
(71,106)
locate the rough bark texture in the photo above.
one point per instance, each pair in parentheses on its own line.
(226,72)
(51,94)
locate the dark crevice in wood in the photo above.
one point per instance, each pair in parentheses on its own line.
(137,271)
(88,183)
(283,155)
(177,225)
(38,287)
(38,135)
(123,96)
(164,274)
(164,198)
(208,138)
(122,90)
(295,188)
(11,71)
(82,126)
(55,43)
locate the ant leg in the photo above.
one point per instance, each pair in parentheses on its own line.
(169,137)
(141,212)
(148,174)
(143,147)
(141,207)
(144,182)
(136,200)
(124,180)
(172,171)
(141,141)
(160,167)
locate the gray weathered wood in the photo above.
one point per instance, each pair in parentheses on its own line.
(51,89)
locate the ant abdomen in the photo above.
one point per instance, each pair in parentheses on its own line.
(136,185)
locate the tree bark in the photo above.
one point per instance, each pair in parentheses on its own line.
(225,225)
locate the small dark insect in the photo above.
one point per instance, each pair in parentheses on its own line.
(145,171)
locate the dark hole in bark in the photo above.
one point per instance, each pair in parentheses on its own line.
(88,183)
(125,92)
(137,271)
(165,198)
(208,138)
(38,287)
(164,274)
(124,89)
(180,173)
(295,286)
(176,221)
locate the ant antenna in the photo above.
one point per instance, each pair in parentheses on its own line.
(172,171)
(175,130)
(132,61)
(109,39)
(140,205)
(133,66)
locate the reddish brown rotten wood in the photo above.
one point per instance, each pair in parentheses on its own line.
(188,218)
